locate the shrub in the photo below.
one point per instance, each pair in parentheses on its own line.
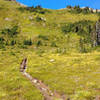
(7,42)
(53,44)
(1,39)
(1,42)
(91,10)
(27,42)
(31,9)
(12,53)
(2,46)
(67,28)
(13,42)
(23,46)
(77,9)
(22,9)
(38,7)
(10,31)
(43,37)
(83,95)
(86,10)
(14,31)
(85,47)
(5,31)
(69,7)
(96,10)
(83,28)
(39,43)
(40,52)
(61,50)
(38,19)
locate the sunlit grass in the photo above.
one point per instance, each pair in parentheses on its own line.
(67,73)
(61,67)
(13,85)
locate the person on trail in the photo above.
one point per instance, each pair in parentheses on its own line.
(23,65)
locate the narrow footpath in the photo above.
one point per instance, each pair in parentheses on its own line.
(44,89)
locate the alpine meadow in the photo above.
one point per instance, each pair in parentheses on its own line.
(61,48)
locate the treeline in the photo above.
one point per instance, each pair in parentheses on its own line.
(85,10)
(86,30)
(37,9)
(9,37)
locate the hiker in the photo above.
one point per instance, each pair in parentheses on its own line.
(23,65)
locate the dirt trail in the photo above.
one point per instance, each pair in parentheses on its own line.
(46,92)
(44,89)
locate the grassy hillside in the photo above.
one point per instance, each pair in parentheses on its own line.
(58,45)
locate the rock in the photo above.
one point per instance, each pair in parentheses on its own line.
(44,24)
(44,89)
(38,83)
(43,19)
(97,98)
(34,81)
(52,60)
(51,94)
(7,19)
(31,17)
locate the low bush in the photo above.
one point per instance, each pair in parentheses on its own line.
(27,42)
(10,31)
(69,7)
(13,42)
(2,43)
(83,28)
(61,50)
(1,39)
(77,10)
(39,43)
(43,37)
(67,28)
(38,19)
(86,10)
(53,44)
(83,95)
(85,46)
(37,9)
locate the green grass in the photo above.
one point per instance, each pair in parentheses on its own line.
(13,85)
(68,73)
(57,61)
(73,74)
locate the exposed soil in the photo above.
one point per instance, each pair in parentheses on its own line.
(44,89)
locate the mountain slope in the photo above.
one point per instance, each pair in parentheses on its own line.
(59,49)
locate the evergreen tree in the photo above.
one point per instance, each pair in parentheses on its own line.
(98,31)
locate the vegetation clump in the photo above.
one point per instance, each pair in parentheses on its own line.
(43,37)
(85,30)
(60,51)
(10,31)
(28,42)
(82,28)
(37,9)
(78,10)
